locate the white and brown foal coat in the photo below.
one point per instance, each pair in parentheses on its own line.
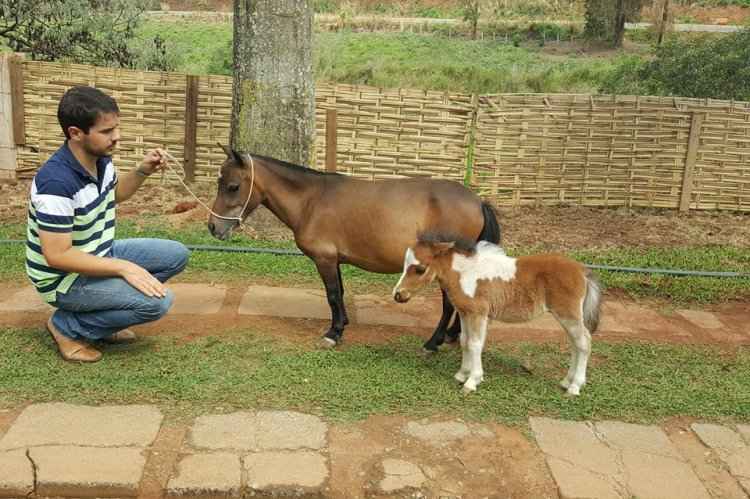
(483,282)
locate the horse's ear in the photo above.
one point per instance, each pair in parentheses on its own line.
(232,154)
(441,248)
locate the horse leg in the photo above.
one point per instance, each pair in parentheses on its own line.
(438,337)
(580,342)
(476,330)
(451,335)
(329,273)
(341,287)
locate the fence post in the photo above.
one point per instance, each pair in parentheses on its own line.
(191,127)
(331,140)
(692,154)
(10,132)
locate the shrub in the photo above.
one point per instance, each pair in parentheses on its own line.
(708,66)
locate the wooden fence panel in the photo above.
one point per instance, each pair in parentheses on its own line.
(529,149)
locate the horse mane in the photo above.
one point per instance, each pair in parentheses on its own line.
(292,166)
(461,244)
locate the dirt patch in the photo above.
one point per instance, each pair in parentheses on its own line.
(476,463)
(733,14)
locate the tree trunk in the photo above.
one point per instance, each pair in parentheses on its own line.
(619,33)
(664,22)
(605,19)
(273,102)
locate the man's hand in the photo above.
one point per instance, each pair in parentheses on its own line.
(153,161)
(140,279)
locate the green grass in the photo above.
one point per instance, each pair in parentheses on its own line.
(299,271)
(398,60)
(245,369)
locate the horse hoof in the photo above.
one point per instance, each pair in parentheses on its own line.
(467,391)
(573,391)
(565,384)
(327,343)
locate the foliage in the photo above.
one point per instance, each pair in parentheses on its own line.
(705,66)
(86,31)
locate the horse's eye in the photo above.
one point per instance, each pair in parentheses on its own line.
(233,187)
(420,270)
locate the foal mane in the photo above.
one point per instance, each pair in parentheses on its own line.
(461,244)
(285,164)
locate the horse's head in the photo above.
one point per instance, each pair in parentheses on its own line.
(236,195)
(419,268)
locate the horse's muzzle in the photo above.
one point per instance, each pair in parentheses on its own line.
(401,296)
(220,231)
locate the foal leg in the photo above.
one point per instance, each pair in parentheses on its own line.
(476,330)
(580,340)
(463,374)
(438,337)
(329,273)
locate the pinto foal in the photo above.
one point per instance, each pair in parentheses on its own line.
(483,282)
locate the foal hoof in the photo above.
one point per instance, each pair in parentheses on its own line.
(326,343)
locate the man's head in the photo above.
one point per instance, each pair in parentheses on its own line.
(90,118)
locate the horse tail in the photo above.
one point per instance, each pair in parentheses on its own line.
(592,302)
(491,230)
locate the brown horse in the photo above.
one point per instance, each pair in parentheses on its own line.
(340,219)
(483,282)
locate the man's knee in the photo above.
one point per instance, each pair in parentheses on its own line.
(181,255)
(156,308)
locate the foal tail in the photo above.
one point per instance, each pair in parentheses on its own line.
(592,302)
(491,230)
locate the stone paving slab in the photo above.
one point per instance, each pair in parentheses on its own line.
(73,471)
(731,448)
(197,298)
(285,302)
(16,474)
(265,430)
(207,475)
(61,424)
(25,299)
(286,472)
(702,319)
(400,475)
(417,312)
(616,460)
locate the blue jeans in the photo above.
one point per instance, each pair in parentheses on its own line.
(97,307)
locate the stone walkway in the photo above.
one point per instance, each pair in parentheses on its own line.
(619,319)
(63,450)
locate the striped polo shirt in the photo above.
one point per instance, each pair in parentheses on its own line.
(66,198)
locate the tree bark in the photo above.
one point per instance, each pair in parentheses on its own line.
(273,101)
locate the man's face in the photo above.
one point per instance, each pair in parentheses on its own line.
(102,137)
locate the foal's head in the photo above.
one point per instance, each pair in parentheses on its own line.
(431,257)
(234,199)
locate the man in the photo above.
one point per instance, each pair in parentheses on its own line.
(99,286)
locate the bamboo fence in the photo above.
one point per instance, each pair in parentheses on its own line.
(589,150)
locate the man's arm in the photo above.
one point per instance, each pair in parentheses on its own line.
(153,161)
(59,252)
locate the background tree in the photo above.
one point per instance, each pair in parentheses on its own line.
(273,105)
(95,32)
(471,12)
(605,19)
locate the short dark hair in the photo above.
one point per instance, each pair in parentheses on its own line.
(81,106)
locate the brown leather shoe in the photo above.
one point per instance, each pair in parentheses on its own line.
(70,349)
(123,336)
